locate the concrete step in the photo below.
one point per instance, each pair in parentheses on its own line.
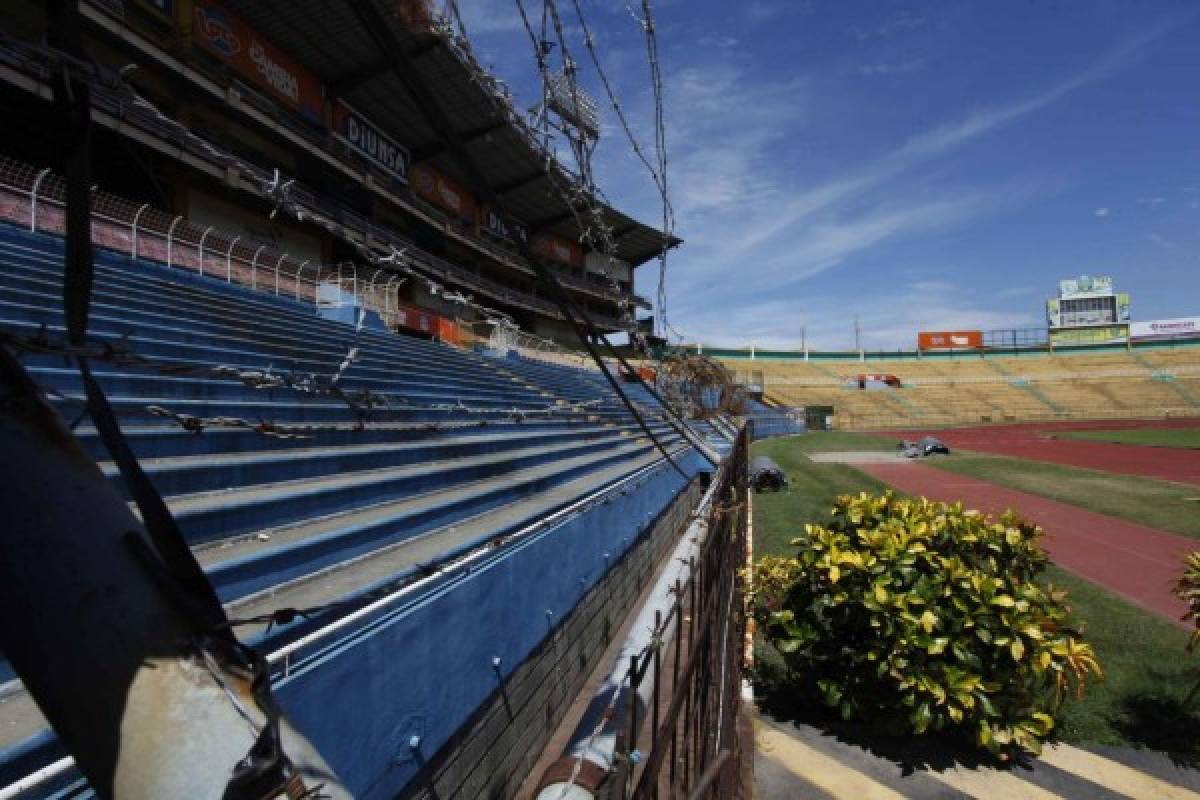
(301,337)
(189,474)
(349,583)
(206,516)
(133,289)
(241,566)
(126,381)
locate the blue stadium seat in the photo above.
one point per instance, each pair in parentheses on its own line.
(462,449)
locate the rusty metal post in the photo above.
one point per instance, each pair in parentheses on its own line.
(634,683)
(675,676)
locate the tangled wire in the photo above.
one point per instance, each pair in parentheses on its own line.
(693,382)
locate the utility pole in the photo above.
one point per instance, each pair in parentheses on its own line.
(858,340)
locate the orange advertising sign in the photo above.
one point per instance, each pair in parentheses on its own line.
(233,41)
(441,191)
(950,340)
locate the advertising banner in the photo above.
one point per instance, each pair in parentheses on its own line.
(492,223)
(369,140)
(556,248)
(1123,307)
(417,319)
(1085,286)
(1110,334)
(1053,313)
(442,192)
(950,340)
(234,42)
(1165,328)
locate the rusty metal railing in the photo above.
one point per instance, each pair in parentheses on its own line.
(684,741)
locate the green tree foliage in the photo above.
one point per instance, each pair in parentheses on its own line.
(923,616)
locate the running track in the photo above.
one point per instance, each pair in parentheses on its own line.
(1137,562)
(1032,440)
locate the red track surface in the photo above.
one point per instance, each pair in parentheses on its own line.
(1033,440)
(1138,563)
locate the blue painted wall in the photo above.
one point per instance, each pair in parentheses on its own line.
(425,667)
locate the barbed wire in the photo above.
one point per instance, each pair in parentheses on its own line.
(361,403)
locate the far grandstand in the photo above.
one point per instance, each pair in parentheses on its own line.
(1090,362)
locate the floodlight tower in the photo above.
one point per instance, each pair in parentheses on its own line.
(570,110)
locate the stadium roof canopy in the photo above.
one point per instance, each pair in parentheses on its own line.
(365,52)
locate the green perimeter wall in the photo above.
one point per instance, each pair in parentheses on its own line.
(757,354)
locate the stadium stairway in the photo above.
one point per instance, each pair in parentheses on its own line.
(456,449)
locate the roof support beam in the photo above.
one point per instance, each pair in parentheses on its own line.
(373,69)
(432,149)
(520,182)
(624,229)
(537,226)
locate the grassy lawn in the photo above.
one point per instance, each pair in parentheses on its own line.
(779,517)
(1188,438)
(1147,675)
(1159,504)
(1147,672)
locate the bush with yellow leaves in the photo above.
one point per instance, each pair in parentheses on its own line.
(1188,590)
(922,616)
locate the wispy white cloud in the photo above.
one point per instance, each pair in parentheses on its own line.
(937,142)
(895,68)
(1102,212)
(1152,201)
(1171,246)
(888,320)
(899,24)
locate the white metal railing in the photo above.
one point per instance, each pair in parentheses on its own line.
(506,338)
(36,201)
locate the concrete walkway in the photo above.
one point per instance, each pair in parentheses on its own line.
(801,761)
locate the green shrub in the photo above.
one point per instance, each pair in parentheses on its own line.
(1188,590)
(923,617)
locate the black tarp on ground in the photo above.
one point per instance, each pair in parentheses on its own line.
(765,475)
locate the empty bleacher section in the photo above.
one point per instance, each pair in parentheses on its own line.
(446,452)
(766,420)
(1119,382)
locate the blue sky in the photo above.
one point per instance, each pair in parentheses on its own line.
(924,166)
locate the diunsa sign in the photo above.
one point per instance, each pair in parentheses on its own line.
(370,141)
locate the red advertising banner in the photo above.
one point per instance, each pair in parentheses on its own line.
(441,191)
(234,42)
(417,319)
(447,330)
(950,340)
(556,248)
(429,323)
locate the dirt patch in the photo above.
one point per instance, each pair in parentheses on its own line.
(858,457)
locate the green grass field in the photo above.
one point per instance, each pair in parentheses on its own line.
(779,517)
(1147,671)
(1187,438)
(1168,506)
